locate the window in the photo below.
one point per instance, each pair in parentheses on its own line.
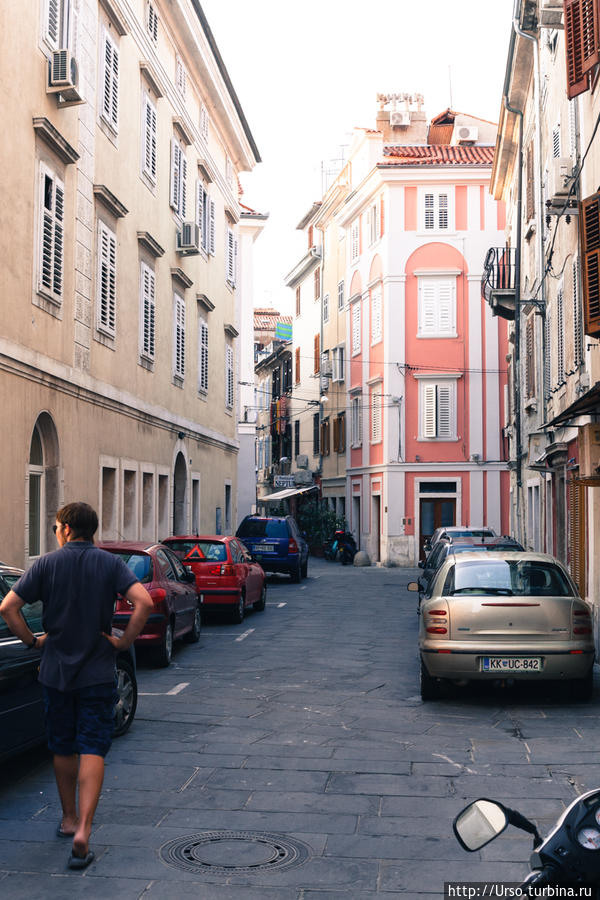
(436,210)
(530,358)
(204,122)
(152,21)
(180,76)
(315,434)
(51,235)
(556,141)
(229,377)
(438,409)
(296,437)
(577,324)
(356,328)
(376,415)
(437,307)
(56,24)
(231,257)
(297,353)
(339,433)
(110,82)
(36,510)
(106,289)
(341,295)
(337,371)
(326,308)
(589,218)
(147,313)
(205,218)
(149,138)
(573,131)
(355,241)
(317,277)
(356,424)
(178,178)
(202,356)
(376,327)
(530,178)
(178,336)
(581,41)
(560,338)
(298,300)
(374,223)
(317,354)
(229,172)
(325,442)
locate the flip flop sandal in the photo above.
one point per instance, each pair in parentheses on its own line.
(80,862)
(63,834)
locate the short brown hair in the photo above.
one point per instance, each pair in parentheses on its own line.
(81,518)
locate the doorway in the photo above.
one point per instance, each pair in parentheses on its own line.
(434,513)
(180,495)
(356,520)
(376,526)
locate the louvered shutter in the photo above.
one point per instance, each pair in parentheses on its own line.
(179,337)
(577,324)
(336,434)
(376,316)
(577,535)
(183,195)
(341,433)
(150,139)
(200,209)
(211,245)
(428,412)
(110,98)
(107,278)
(428,307)
(297,365)
(52,23)
(429,211)
(52,201)
(556,142)
(445,307)
(381,218)
(375,417)
(445,417)
(589,221)
(354,239)
(229,375)
(529,359)
(576,45)
(147,312)
(530,181)
(560,338)
(175,173)
(356,328)
(317,354)
(443,219)
(230,257)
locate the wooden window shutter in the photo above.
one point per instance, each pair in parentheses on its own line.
(336,434)
(529,196)
(317,282)
(298,300)
(317,351)
(580,29)
(297,365)
(342,433)
(589,223)
(577,535)
(530,358)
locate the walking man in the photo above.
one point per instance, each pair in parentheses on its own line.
(77,585)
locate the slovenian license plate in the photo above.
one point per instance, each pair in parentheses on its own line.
(511,663)
(266,548)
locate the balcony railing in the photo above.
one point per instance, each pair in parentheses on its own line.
(498,280)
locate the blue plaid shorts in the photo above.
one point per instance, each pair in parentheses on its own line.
(80,721)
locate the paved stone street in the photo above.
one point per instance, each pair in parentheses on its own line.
(298,741)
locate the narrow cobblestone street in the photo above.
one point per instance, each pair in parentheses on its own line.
(302,729)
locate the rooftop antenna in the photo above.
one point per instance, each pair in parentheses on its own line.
(450,84)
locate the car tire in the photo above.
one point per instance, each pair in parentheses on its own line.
(193,636)
(240,610)
(127,694)
(262,601)
(430,687)
(304,571)
(164,654)
(582,689)
(296,573)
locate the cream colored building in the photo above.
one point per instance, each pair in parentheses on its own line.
(121,308)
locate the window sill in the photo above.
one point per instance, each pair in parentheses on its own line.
(49,304)
(202,394)
(105,338)
(109,130)
(178,380)
(438,440)
(146,363)
(443,335)
(150,182)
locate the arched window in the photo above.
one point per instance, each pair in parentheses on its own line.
(36,494)
(43,486)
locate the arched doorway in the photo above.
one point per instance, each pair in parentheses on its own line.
(43,485)
(180,495)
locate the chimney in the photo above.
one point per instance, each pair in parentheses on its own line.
(401,118)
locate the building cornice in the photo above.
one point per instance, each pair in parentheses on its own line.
(304,267)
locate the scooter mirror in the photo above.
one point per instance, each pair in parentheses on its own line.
(479,823)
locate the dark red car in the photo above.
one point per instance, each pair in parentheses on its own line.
(227,578)
(176,611)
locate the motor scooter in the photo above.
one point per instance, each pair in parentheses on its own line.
(569,857)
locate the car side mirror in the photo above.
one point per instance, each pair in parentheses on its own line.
(189,577)
(421,564)
(479,823)
(427,546)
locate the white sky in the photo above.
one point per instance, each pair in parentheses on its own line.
(308,71)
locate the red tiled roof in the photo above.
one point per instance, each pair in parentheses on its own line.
(438,154)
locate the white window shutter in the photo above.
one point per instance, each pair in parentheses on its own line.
(211,249)
(52,23)
(203,357)
(445,412)
(229,397)
(110,99)
(200,208)
(356,328)
(429,211)
(375,417)
(428,412)
(149,138)
(179,337)
(147,312)
(443,220)
(445,307)
(52,199)
(376,315)
(230,257)
(107,278)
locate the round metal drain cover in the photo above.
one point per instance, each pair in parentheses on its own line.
(234,852)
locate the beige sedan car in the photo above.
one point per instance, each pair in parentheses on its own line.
(504,616)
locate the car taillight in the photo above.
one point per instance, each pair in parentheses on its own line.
(436,629)
(157,594)
(581,622)
(438,621)
(292,546)
(437,612)
(225,569)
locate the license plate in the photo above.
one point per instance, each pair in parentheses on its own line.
(511,663)
(267,548)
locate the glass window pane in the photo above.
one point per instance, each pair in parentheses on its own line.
(35,498)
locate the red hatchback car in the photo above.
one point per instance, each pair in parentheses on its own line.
(176,611)
(227,578)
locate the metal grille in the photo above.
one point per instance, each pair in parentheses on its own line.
(234,852)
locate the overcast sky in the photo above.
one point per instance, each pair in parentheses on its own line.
(308,72)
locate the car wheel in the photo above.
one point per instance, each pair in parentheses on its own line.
(305,569)
(430,687)
(164,654)
(127,694)
(193,636)
(296,573)
(262,601)
(582,689)
(240,610)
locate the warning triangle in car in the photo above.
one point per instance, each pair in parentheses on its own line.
(194,554)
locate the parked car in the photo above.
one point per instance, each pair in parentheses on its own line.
(446,531)
(276,543)
(227,578)
(11,574)
(172,587)
(22,722)
(460,544)
(504,616)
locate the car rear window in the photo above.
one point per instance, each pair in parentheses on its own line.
(519,578)
(139,563)
(197,550)
(258,528)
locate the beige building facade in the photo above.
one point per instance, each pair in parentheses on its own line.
(121,308)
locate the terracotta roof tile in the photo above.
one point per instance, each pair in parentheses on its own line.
(438,154)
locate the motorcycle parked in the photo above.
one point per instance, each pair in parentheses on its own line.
(341,546)
(569,857)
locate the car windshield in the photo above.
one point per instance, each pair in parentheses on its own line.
(196,550)
(525,578)
(258,528)
(139,563)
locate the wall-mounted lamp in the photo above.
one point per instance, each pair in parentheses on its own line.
(181,435)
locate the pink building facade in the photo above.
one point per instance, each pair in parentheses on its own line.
(426,359)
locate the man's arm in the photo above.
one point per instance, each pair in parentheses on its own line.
(141,600)
(10,610)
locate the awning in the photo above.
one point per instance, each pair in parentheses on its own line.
(588,405)
(287,492)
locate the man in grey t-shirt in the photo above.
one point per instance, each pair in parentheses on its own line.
(77,586)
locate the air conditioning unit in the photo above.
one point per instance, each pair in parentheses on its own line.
(400,119)
(589,450)
(303,476)
(302,461)
(326,368)
(324,384)
(550,14)
(63,76)
(558,178)
(466,134)
(188,239)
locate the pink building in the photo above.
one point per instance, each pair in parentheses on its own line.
(426,359)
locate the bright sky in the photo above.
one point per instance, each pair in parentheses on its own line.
(308,71)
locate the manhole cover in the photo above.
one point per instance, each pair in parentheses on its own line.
(234,852)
